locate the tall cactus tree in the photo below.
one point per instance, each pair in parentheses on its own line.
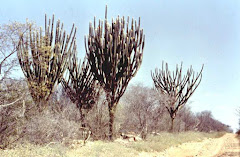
(115,54)
(81,87)
(44,58)
(177,87)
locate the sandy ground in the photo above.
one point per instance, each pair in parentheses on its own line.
(228,145)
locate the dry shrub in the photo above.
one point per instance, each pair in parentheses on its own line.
(97,121)
(12,111)
(61,122)
(7,127)
(50,126)
(11,125)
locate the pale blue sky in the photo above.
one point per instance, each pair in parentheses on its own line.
(195,32)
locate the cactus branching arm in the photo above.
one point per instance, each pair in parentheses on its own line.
(177,87)
(81,86)
(44,58)
(115,54)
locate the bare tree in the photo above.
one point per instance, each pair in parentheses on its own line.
(187,119)
(44,58)
(114,57)
(178,88)
(143,108)
(14,102)
(9,37)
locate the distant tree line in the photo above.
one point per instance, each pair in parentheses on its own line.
(147,112)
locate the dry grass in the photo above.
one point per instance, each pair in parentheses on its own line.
(165,140)
(111,149)
(91,149)
(30,150)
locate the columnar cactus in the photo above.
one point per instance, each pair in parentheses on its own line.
(44,58)
(81,86)
(115,54)
(176,87)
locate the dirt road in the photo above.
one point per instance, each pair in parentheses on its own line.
(228,145)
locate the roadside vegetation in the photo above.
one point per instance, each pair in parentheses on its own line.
(64,107)
(118,148)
